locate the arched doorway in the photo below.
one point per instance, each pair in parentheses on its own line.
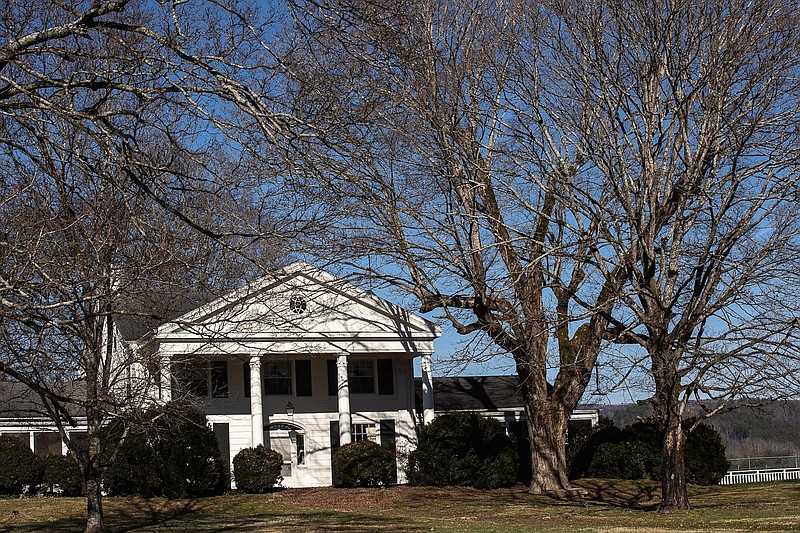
(288,439)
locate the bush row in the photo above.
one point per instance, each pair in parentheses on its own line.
(23,471)
(174,453)
(634,452)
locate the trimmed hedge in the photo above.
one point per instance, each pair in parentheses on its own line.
(464,449)
(257,470)
(705,460)
(62,476)
(172,453)
(635,453)
(20,468)
(364,464)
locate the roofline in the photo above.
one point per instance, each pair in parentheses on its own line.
(295,269)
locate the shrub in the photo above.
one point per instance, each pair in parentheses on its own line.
(635,453)
(706,463)
(623,460)
(19,466)
(464,449)
(364,464)
(257,470)
(134,471)
(172,453)
(62,475)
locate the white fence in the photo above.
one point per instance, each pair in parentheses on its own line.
(758,476)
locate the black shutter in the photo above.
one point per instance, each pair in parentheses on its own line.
(302,373)
(332,378)
(388,442)
(223,434)
(334,447)
(385,377)
(246,370)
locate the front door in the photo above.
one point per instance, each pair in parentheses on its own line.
(288,440)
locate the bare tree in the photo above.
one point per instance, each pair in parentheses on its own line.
(116,185)
(691,120)
(446,177)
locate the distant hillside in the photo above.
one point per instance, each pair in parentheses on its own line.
(772,430)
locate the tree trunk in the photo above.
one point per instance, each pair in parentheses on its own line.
(547,430)
(93,477)
(674,494)
(94,507)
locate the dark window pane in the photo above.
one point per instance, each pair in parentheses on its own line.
(191,378)
(361,377)
(278,378)
(47,443)
(219,379)
(385,377)
(302,377)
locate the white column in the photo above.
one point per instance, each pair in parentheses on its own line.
(166,378)
(428,412)
(343,389)
(256,405)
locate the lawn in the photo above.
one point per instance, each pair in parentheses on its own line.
(612,506)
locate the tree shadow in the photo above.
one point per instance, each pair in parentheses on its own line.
(133,516)
(639,495)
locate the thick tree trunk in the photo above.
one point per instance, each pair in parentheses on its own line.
(94,507)
(674,494)
(547,430)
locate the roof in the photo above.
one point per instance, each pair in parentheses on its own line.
(472,393)
(17,400)
(149,312)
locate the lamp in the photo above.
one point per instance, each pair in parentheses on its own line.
(289,409)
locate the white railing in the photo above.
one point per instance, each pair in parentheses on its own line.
(759,476)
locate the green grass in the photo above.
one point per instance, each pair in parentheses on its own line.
(612,506)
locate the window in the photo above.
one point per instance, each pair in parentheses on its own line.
(364,432)
(278,378)
(297,303)
(219,379)
(198,378)
(361,376)
(47,443)
(301,448)
(192,378)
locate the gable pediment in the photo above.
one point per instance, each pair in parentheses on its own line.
(301,303)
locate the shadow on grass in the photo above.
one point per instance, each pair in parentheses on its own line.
(638,495)
(132,516)
(199,516)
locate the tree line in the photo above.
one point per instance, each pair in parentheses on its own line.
(566,184)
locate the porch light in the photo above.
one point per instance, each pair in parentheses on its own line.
(289,409)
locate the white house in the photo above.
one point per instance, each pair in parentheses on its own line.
(299,361)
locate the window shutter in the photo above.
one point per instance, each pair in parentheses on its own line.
(388,440)
(332,379)
(246,372)
(385,377)
(334,447)
(223,434)
(302,369)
